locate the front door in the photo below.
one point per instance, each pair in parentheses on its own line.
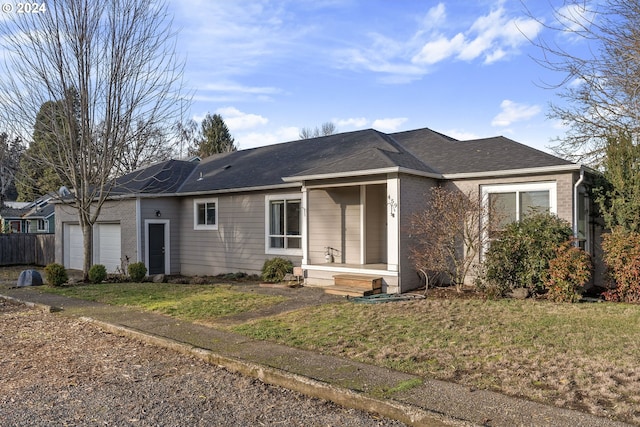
(156,248)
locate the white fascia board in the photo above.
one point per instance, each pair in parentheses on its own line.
(364,172)
(514,172)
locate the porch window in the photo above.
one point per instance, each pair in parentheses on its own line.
(284,225)
(205,214)
(512,202)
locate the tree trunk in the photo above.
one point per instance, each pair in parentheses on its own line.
(87,234)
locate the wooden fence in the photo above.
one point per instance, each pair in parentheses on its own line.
(27,249)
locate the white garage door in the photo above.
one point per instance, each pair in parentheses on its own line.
(73,246)
(107,246)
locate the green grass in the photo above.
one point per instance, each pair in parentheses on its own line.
(568,354)
(188,302)
(581,356)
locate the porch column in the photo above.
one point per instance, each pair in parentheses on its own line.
(305,225)
(393,223)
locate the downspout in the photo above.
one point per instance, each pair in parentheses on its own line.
(575,204)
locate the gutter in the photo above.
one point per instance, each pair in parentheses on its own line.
(575,203)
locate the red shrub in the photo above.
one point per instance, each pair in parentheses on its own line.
(622,257)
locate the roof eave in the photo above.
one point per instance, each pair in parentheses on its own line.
(366,172)
(514,172)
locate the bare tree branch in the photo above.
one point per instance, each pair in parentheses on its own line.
(112,70)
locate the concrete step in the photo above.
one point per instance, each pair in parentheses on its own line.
(350,291)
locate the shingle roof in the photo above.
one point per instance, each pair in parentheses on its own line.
(449,156)
(159,178)
(366,151)
(267,166)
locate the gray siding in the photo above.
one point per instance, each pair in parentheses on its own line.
(237,245)
(414,196)
(121,212)
(376,224)
(334,221)
(171,210)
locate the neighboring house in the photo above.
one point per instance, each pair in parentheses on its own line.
(28,217)
(335,204)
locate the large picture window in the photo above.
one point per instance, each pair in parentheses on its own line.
(284,224)
(512,202)
(205,214)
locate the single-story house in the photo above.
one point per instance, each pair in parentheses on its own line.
(338,204)
(28,217)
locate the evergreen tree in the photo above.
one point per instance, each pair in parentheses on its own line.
(618,195)
(215,137)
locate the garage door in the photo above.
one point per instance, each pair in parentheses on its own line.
(73,250)
(107,246)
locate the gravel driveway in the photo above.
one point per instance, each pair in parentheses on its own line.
(56,370)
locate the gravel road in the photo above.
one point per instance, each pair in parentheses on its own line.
(56,370)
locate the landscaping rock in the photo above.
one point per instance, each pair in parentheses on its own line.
(159,278)
(520,293)
(29,278)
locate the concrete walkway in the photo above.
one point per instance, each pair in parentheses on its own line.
(348,383)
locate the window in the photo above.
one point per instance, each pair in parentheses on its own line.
(42,225)
(512,202)
(283,226)
(205,214)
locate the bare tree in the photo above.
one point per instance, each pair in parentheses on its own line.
(450,233)
(111,66)
(10,152)
(327,128)
(148,144)
(600,87)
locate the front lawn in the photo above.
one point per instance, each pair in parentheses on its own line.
(581,356)
(188,302)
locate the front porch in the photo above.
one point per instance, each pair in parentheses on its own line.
(352,279)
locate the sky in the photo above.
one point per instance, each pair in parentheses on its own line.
(463,68)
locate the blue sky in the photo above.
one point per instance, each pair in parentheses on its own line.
(461,68)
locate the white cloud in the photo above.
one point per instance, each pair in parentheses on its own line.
(236,120)
(514,112)
(439,49)
(354,122)
(493,37)
(388,125)
(461,135)
(574,17)
(259,139)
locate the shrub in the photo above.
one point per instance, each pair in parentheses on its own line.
(520,257)
(137,271)
(569,271)
(622,257)
(97,273)
(55,274)
(275,269)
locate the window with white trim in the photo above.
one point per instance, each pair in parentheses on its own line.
(205,214)
(284,224)
(512,202)
(42,225)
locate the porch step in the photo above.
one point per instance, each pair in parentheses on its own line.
(358,281)
(355,285)
(350,291)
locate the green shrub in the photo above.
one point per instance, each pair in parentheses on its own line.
(622,257)
(569,271)
(137,271)
(55,274)
(275,269)
(520,257)
(97,273)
